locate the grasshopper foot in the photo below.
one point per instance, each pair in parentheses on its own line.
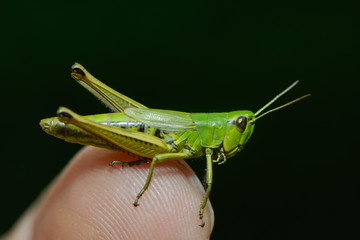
(116,162)
(130,164)
(201,214)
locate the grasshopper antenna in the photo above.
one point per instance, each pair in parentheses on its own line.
(280,107)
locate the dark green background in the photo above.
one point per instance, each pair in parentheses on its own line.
(297,178)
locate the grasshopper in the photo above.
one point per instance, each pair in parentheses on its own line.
(155,134)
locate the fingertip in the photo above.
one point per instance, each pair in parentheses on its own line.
(91,198)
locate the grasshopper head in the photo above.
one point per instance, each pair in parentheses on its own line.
(241,124)
(238,131)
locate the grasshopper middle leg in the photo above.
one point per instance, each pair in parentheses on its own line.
(209,161)
(157,159)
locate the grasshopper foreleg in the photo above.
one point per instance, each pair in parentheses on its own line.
(220,156)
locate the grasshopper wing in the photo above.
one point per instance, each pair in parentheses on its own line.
(162,119)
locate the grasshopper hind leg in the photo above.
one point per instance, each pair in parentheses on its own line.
(130,164)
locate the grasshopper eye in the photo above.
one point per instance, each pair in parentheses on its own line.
(78,70)
(241,123)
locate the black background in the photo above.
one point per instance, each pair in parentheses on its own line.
(298,175)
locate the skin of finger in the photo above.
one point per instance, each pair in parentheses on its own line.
(91,200)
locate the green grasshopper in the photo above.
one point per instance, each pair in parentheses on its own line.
(155,134)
